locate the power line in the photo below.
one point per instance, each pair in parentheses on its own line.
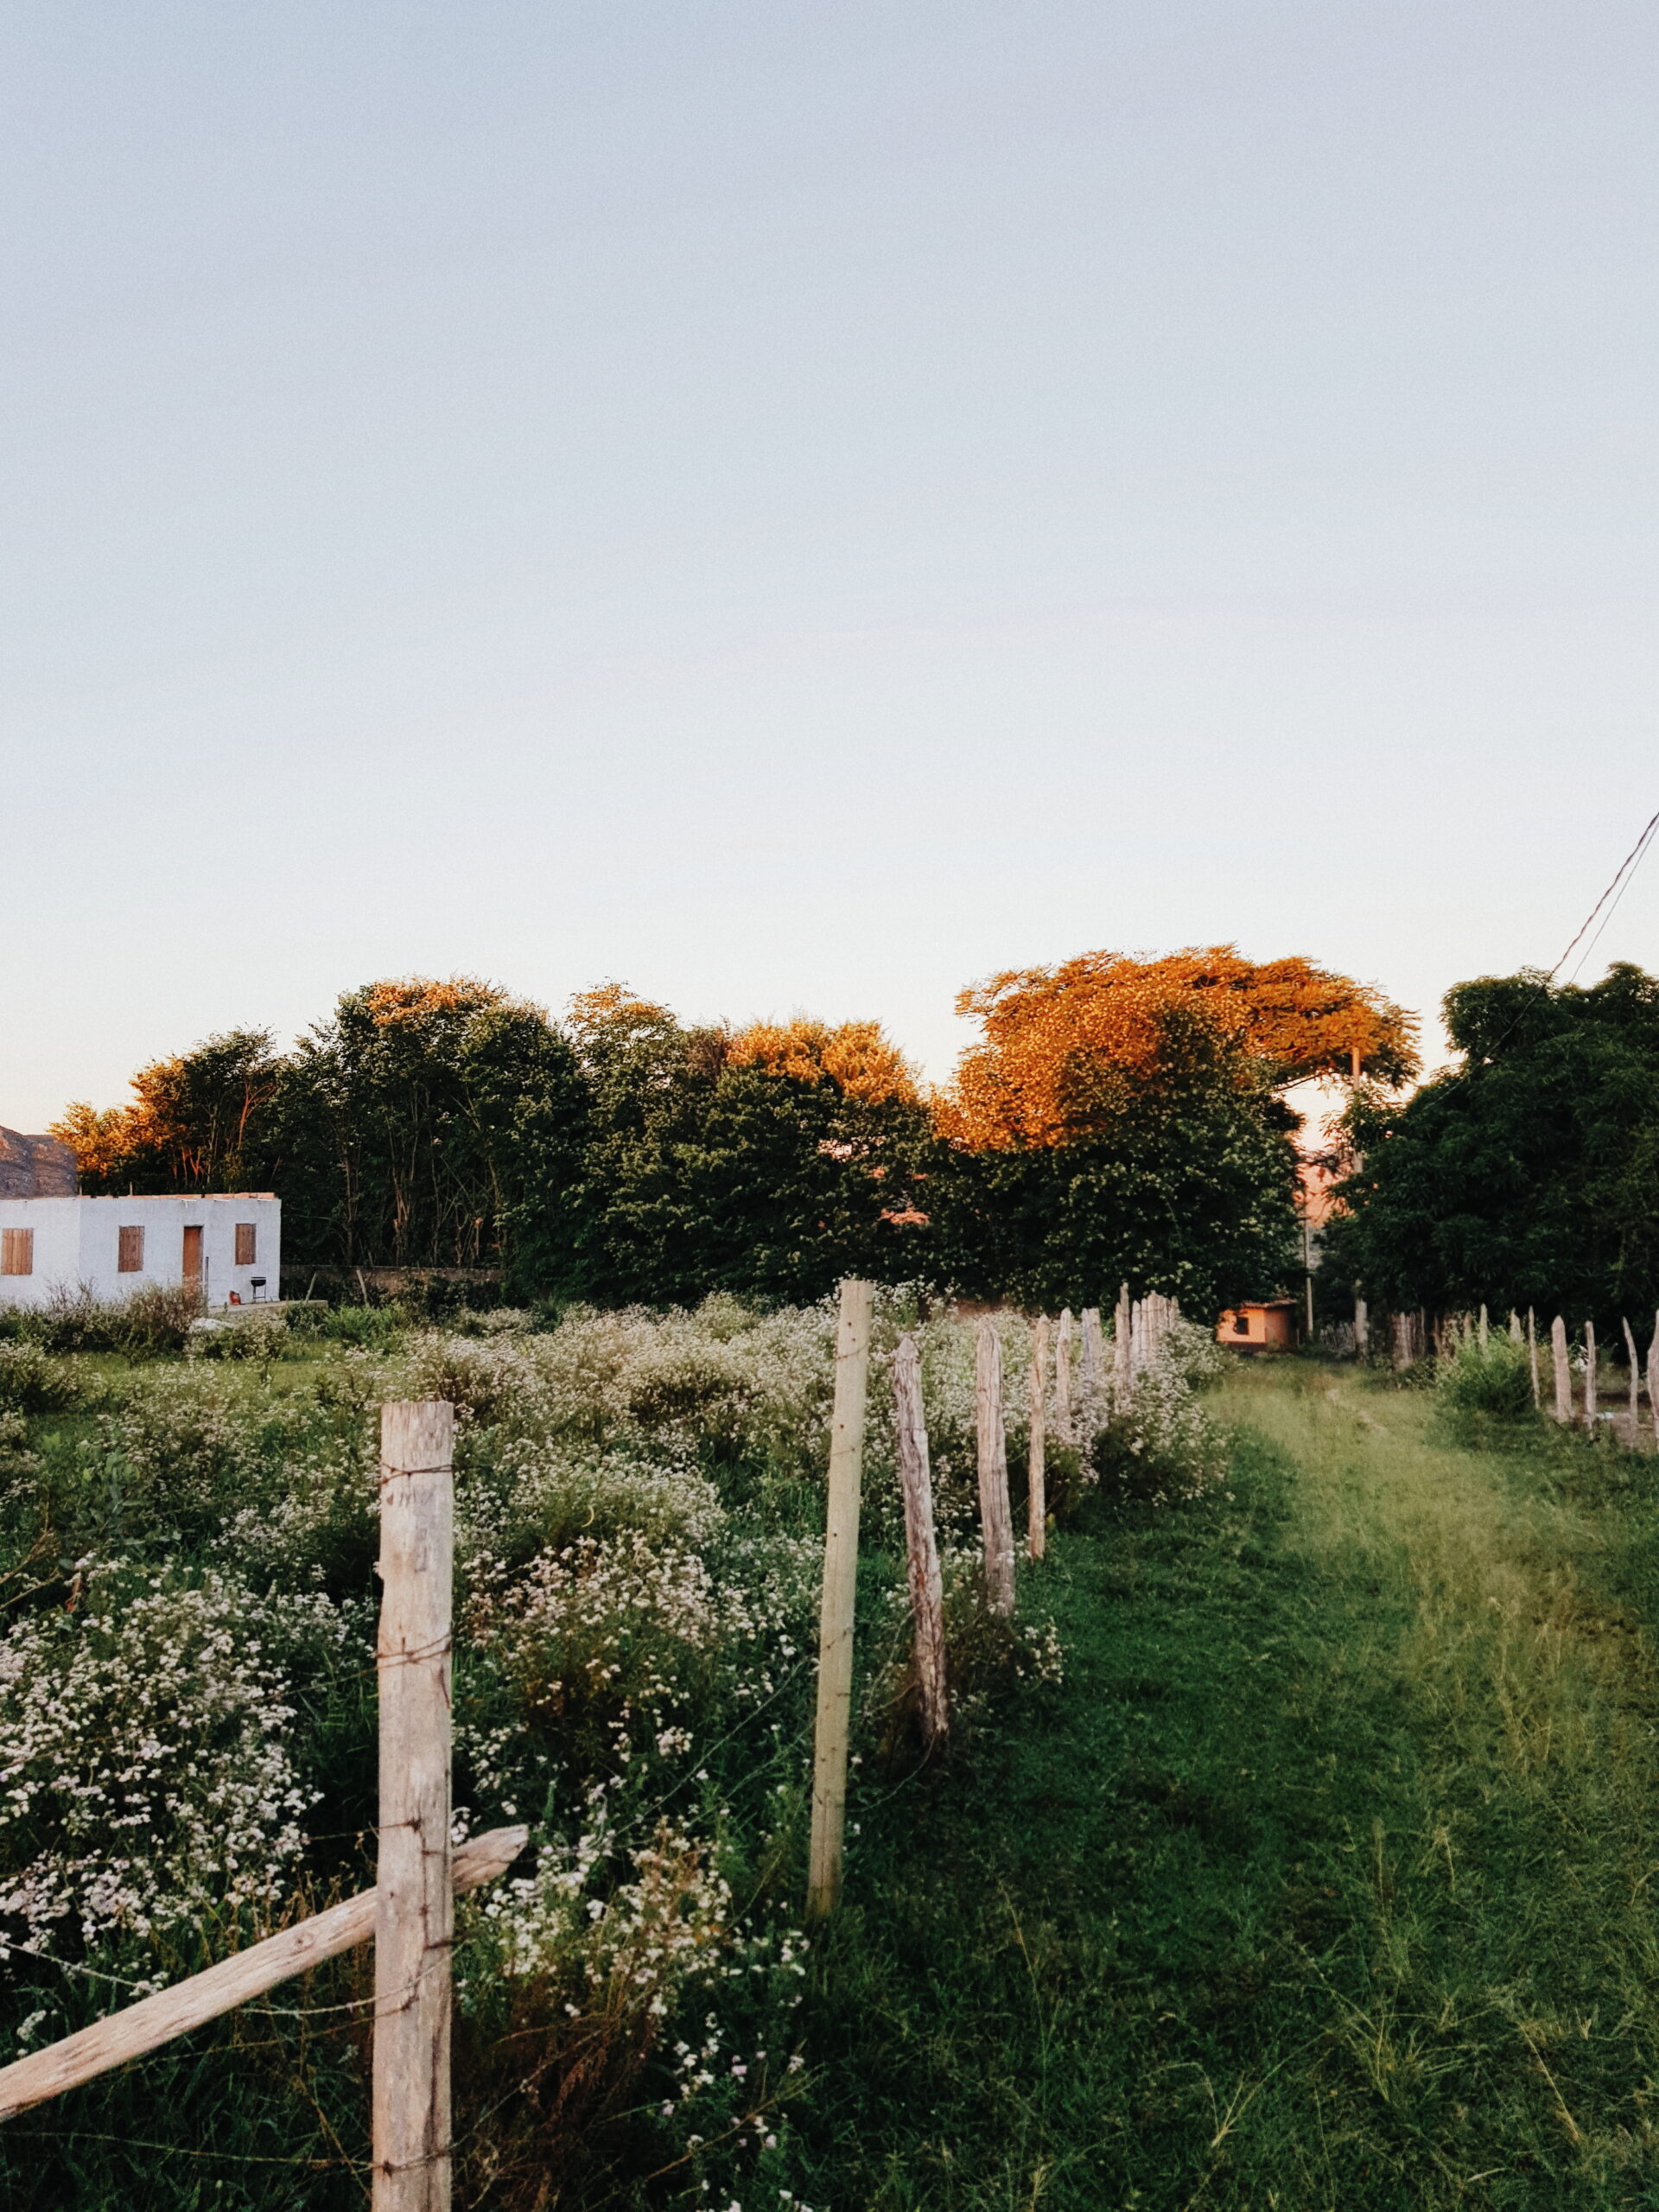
(1620,884)
(1632,860)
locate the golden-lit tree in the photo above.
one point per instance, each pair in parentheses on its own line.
(100,1139)
(1051,1035)
(859,1057)
(188,1123)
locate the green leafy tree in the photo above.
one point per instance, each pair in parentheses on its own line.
(1178,1174)
(435,1124)
(708,1170)
(1529,1174)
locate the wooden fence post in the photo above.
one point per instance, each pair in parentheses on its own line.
(1590,1376)
(1063,1421)
(1653,1391)
(1485,1333)
(1532,1356)
(996,1521)
(840,1584)
(1635,1359)
(1122,1347)
(1362,1331)
(1036,1455)
(921,1548)
(1094,1372)
(1563,1372)
(414,1908)
(1515,1326)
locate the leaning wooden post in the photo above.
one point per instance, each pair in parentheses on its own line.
(1653,1389)
(414,1914)
(835,1615)
(1563,1372)
(1532,1356)
(921,1549)
(996,1521)
(1635,1362)
(1590,1376)
(156,2020)
(1036,1455)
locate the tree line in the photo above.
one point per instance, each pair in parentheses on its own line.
(1526,1175)
(1117,1120)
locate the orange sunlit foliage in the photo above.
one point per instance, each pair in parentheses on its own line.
(412,998)
(1105,1011)
(859,1055)
(612,1006)
(97,1138)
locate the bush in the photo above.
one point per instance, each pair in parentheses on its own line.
(32,1381)
(1160,1445)
(151,1323)
(148,1780)
(251,1332)
(1494,1384)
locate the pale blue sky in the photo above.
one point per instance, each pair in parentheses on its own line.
(800,506)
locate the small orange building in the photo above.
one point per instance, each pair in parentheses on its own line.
(1267,1326)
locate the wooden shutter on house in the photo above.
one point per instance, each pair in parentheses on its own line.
(247,1242)
(17,1251)
(130,1255)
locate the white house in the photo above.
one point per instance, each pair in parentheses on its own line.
(228,1244)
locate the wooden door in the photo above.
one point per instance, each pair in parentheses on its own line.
(192,1256)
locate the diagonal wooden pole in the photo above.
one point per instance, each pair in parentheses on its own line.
(414,1928)
(154,2020)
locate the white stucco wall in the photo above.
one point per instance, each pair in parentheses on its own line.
(77,1242)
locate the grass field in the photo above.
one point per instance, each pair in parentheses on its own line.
(1325,1881)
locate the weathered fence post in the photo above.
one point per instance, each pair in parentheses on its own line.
(921,1548)
(1036,1454)
(840,1582)
(1515,1326)
(1563,1372)
(1532,1356)
(1362,1331)
(1590,1376)
(1063,1421)
(1634,1358)
(1094,1372)
(1122,1347)
(996,1521)
(1653,1392)
(415,1907)
(1486,1334)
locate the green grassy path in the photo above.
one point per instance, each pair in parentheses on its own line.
(1328,1879)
